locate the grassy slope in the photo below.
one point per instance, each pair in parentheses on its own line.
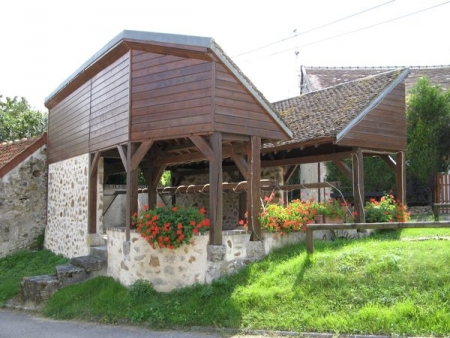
(13,268)
(377,285)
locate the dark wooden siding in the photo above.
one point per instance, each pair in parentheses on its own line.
(384,127)
(237,111)
(68,128)
(110,105)
(171,96)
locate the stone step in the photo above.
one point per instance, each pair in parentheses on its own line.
(100,251)
(89,263)
(38,289)
(70,274)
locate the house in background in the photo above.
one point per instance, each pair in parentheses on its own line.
(23,198)
(318,78)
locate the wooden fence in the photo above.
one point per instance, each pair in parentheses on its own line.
(442,192)
(310,228)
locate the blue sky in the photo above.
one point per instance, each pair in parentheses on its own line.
(43,42)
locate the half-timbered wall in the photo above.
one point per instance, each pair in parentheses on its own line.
(384,127)
(171,95)
(237,111)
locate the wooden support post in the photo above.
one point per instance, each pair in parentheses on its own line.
(400,176)
(132,189)
(253,192)
(152,176)
(92,192)
(358,184)
(215,190)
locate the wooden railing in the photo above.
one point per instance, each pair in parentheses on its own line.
(310,228)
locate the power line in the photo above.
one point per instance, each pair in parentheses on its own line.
(361,29)
(312,29)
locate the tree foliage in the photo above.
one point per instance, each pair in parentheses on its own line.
(428,130)
(19,120)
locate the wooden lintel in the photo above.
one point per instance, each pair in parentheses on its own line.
(306,159)
(344,168)
(203,146)
(241,163)
(389,161)
(140,153)
(123,156)
(235,137)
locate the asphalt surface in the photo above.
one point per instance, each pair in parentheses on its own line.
(20,324)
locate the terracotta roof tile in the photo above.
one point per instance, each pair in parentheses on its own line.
(324,113)
(324,77)
(9,151)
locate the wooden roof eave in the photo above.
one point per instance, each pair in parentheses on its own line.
(299,145)
(341,135)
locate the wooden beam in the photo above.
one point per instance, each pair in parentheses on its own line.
(289,172)
(241,163)
(123,155)
(253,194)
(92,192)
(389,161)
(344,169)
(132,189)
(152,176)
(216,191)
(400,176)
(358,184)
(140,153)
(203,146)
(306,159)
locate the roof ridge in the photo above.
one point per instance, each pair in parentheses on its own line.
(373,67)
(358,80)
(16,141)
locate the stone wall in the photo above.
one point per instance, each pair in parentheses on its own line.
(67,209)
(199,263)
(23,203)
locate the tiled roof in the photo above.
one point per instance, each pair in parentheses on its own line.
(17,151)
(323,114)
(324,77)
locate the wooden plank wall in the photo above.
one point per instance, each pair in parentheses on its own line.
(171,95)
(94,116)
(384,127)
(109,105)
(68,127)
(238,112)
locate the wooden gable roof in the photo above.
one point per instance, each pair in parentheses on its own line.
(13,153)
(333,115)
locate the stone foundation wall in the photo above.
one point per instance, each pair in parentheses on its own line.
(190,264)
(67,209)
(23,203)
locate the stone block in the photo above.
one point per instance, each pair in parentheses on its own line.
(38,289)
(216,253)
(70,274)
(255,249)
(89,263)
(100,252)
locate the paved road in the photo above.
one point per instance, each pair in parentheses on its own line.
(17,324)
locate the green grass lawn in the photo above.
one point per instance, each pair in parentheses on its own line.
(379,285)
(13,268)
